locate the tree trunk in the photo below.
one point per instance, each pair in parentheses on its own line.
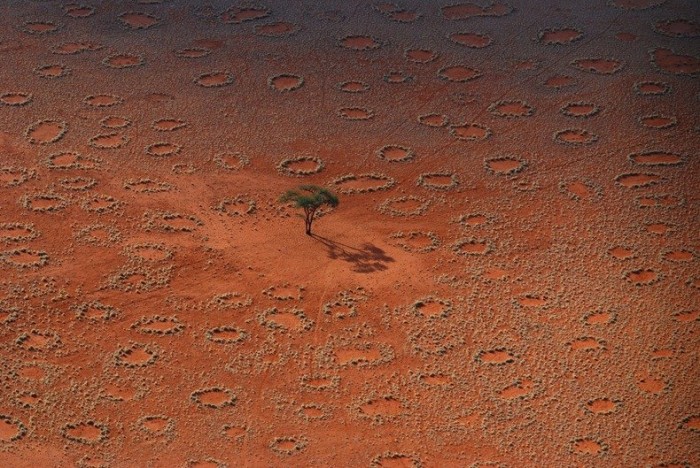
(308,220)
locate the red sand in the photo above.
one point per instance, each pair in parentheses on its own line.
(510,279)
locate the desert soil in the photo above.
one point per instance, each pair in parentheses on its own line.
(511,277)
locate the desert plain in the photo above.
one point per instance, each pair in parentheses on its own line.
(510,279)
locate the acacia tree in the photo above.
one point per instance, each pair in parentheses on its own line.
(310,198)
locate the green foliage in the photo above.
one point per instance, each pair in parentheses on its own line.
(310,198)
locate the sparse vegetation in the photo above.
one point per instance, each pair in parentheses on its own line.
(310,198)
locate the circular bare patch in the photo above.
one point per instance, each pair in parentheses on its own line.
(458,73)
(16,98)
(17,232)
(156,425)
(95,311)
(559,36)
(433,120)
(471,40)
(363,183)
(432,307)
(171,222)
(287,446)
(123,60)
(679,255)
(581,189)
(148,186)
(511,109)
(226,335)
(108,141)
(168,125)
(421,55)
(74,48)
(158,325)
(135,21)
(101,235)
(320,382)
(355,113)
(300,166)
(44,202)
(415,241)
(104,100)
(41,27)
(474,220)
(114,122)
(238,15)
(277,29)
(396,459)
(657,121)
(70,160)
(86,432)
(163,149)
(403,16)
(38,340)
(656,158)
(215,79)
(496,356)
(231,300)
(558,82)
(213,397)
(46,131)
(77,10)
(25,258)
(505,165)
(575,137)
(360,42)
(135,356)
(396,153)
(470,132)
(353,86)
(397,77)
(643,276)
(289,320)
(11,429)
(637,179)
(580,110)
(231,161)
(472,246)
(148,252)
(438,181)
(677,28)
(588,446)
(285,82)
(237,206)
(77,184)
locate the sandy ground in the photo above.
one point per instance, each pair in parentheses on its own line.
(511,278)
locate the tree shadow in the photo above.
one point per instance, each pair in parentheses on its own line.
(367,258)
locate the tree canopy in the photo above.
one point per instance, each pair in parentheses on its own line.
(310,198)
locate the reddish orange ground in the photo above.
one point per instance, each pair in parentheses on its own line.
(511,278)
